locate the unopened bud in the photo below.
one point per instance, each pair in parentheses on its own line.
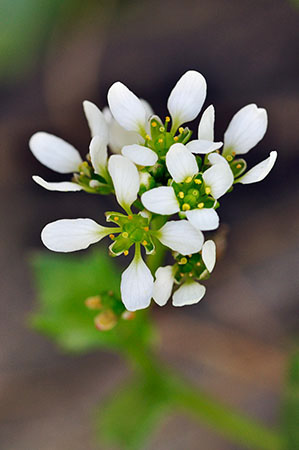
(93,302)
(128,315)
(106,320)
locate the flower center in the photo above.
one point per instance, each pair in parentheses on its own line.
(192,194)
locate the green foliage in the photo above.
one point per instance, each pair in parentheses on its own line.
(291,406)
(63,283)
(130,416)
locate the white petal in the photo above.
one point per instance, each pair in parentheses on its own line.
(119,137)
(148,109)
(161,200)
(125,179)
(203,219)
(215,158)
(70,235)
(62,186)
(143,156)
(136,285)
(209,254)
(55,153)
(260,171)
(187,97)
(98,154)
(126,108)
(181,236)
(96,121)
(188,294)
(180,163)
(204,147)
(163,285)
(246,129)
(219,178)
(206,124)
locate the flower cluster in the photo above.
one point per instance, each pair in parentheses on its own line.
(157,171)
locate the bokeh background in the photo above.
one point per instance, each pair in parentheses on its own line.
(237,341)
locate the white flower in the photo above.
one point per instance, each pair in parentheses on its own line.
(60,156)
(182,167)
(186,98)
(205,137)
(260,171)
(246,129)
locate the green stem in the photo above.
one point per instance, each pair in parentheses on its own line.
(180,395)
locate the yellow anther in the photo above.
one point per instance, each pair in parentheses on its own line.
(229,157)
(106,320)
(111,236)
(207,190)
(198,263)
(146,228)
(190,274)
(183,261)
(181,130)
(160,140)
(181,194)
(188,180)
(154,124)
(197,181)
(167,119)
(238,166)
(162,129)
(116,218)
(200,205)
(176,138)
(126,252)
(233,153)
(148,137)
(186,207)
(144,242)
(130,217)
(125,235)
(182,274)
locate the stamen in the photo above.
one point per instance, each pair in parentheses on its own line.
(125,235)
(195,192)
(197,181)
(130,217)
(198,263)
(200,205)
(207,190)
(238,166)
(181,130)
(160,141)
(146,228)
(229,158)
(181,194)
(154,124)
(183,261)
(111,236)
(116,218)
(144,242)
(126,252)
(188,180)
(176,138)
(162,129)
(186,207)
(167,119)
(233,153)
(191,274)
(148,137)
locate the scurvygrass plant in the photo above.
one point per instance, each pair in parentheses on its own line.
(168,184)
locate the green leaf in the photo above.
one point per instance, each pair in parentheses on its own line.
(63,283)
(129,417)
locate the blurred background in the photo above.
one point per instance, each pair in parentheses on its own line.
(237,341)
